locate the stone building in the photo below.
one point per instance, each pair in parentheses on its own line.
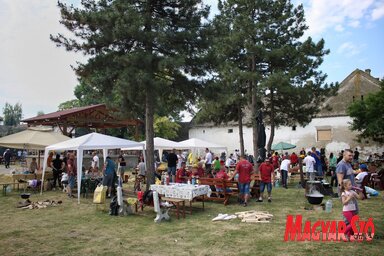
(329,129)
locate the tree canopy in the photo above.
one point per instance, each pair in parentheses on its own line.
(260,49)
(143,55)
(367,116)
(12,114)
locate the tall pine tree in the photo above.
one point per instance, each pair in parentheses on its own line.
(268,36)
(142,53)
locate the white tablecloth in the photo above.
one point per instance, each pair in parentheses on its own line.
(182,191)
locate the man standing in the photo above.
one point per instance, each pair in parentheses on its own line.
(208,161)
(7,157)
(356,156)
(95,162)
(344,168)
(284,167)
(267,176)
(316,155)
(294,159)
(172,162)
(57,169)
(244,169)
(109,174)
(309,162)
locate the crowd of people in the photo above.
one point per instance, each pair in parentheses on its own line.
(64,168)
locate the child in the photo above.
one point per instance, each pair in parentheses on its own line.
(33,165)
(222,174)
(350,207)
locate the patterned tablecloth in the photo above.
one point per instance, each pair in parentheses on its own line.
(182,191)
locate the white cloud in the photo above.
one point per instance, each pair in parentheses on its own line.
(33,71)
(339,28)
(348,49)
(378,11)
(354,23)
(325,14)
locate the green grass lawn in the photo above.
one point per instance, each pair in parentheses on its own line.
(72,229)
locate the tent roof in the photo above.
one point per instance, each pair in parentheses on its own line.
(197,143)
(94,116)
(33,138)
(160,143)
(282,146)
(94,141)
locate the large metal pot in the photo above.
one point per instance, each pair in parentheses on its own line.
(315,198)
(25,195)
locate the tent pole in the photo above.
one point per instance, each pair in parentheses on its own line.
(44,167)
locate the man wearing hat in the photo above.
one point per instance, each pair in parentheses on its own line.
(363,172)
(267,175)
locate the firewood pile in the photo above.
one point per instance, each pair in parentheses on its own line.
(27,204)
(254,216)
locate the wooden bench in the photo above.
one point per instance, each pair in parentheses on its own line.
(176,202)
(5,186)
(255,187)
(230,188)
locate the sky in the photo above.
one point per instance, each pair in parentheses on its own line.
(37,74)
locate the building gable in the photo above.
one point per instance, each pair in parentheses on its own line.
(353,88)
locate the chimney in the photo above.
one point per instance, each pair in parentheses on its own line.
(368,71)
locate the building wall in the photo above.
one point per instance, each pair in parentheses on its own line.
(341,136)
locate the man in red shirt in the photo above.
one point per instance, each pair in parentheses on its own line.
(244,169)
(200,170)
(275,160)
(182,174)
(294,159)
(267,175)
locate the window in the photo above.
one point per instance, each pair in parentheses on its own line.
(324,134)
(294,128)
(230,130)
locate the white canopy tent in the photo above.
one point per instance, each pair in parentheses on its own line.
(33,138)
(90,141)
(194,143)
(160,144)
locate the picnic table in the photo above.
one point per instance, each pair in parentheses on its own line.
(30,176)
(181,190)
(178,193)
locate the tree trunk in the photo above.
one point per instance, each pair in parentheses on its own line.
(149,102)
(272,135)
(272,121)
(241,135)
(149,134)
(254,111)
(301,173)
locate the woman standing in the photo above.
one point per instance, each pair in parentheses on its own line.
(72,174)
(332,168)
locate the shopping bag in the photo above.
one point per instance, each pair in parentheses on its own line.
(100,194)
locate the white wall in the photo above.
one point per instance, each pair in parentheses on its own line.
(305,137)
